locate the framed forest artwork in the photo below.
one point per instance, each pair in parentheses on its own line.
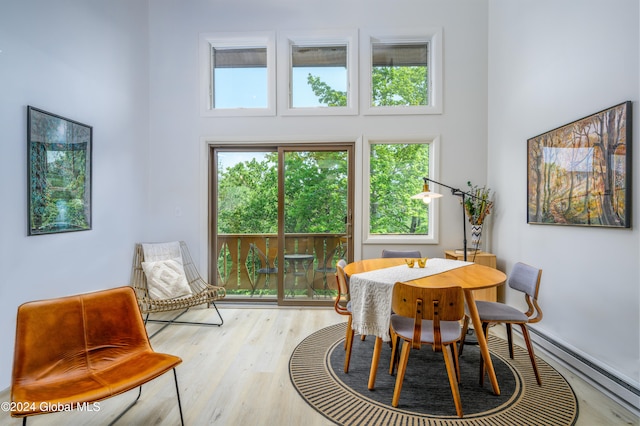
(580,173)
(59,173)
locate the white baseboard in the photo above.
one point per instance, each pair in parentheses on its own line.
(612,385)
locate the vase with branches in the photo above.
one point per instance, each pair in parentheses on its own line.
(477,206)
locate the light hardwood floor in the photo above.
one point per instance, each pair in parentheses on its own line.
(238,375)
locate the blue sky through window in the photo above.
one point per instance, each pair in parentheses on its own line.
(240,88)
(247,87)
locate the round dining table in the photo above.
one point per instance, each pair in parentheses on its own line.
(469,276)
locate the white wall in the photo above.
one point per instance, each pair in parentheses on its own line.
(551,63)
(178,131)
(100,63)
(87,61)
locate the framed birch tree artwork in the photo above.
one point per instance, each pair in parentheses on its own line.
(580,173)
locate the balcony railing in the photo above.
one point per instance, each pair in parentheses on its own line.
(248,264)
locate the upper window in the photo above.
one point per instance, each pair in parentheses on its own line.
(404,75)
(399,74)
(395,174)
(318,76)
(239,76)
(233,70)
(321,69)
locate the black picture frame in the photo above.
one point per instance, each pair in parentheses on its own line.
(580,173)
(59,173)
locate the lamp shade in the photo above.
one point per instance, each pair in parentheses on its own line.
(426,195)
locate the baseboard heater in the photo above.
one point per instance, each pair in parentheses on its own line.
(614,386)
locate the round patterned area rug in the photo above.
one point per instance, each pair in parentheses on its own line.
(316,371)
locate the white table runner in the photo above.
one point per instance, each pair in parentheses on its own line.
(371,293)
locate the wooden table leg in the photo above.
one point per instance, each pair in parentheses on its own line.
(482,341)
(377,348)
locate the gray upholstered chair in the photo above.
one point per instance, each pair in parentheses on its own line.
(411,254)
(525,279)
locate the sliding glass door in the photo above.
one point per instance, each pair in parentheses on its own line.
(281,218)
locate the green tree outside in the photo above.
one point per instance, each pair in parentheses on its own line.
(316,182)
(391,86)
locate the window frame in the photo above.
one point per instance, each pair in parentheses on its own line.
(236,40)
(433,236)
(317,38)
(431,36)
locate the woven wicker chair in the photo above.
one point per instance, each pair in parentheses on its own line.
(203,292)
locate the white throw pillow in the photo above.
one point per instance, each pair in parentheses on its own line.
(162,251)
(166,279)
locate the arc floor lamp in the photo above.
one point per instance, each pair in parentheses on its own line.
(426,196)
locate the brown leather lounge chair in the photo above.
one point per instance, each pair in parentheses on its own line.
(82,349)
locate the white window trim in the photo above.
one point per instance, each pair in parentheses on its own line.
(239,40)
(317,38)
(433,36)
(434,222)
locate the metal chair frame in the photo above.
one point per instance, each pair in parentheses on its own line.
(203,293)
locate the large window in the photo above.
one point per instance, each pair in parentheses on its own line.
(394,175)
(281,219)
(239,77)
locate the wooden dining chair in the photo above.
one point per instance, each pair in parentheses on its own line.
(427,316)
(342,305)
(523,278)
